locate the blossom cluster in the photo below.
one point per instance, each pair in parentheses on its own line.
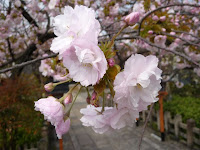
(135,88)
(86,63)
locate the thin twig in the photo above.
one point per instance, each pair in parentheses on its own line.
(187,41)
(27,63)
(159,8)
(145,125)
(162,48)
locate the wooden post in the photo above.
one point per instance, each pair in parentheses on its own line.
(61,144)
(161,95)
(137,122)
(190,126)
(177,120)
(167,116)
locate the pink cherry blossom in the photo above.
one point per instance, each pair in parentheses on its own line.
(160,40)
(121,117)
(162,18)
(93,118)
(136,87)
(75,23)
(45,68)
(155,18)
(150,31)
(51,109)
(139,7)
(179,84)
(132,18)
(53,3)
(62,128)
(85,61)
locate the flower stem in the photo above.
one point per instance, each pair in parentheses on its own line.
(114,37)
(68,112)
(102,110)
(88,91)
(55,84)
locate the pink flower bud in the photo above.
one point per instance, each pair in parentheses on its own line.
(49,87)
(163,18)
(177,24)
(94,95)
(68,99)
(111,62)
(177,40)
(163,29)
(150,32)
(132,18)
(155,18)
(172,33)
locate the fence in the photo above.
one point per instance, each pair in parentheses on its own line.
(186,133)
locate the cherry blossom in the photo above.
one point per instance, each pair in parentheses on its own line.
(62,128)
(51,109)
(85,61)
(75,23)
(138,84)
(132,18)
(92,117)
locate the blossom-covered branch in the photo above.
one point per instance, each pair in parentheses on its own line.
(27,63)
(160,8)
(162,48)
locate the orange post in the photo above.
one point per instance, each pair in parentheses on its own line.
(162,94)
(61,144)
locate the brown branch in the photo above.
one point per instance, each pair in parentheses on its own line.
(145,125)
(159,8)
(28,17)
(186,33)
(32,47)
(187,41)
(27,63)
(162,48)
(10,49)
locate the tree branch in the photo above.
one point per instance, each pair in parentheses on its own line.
(187,41)
(145,125)
(162,48)
(28,17)
(10,49)
(159,8)
(27,63)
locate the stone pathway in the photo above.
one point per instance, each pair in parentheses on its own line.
(84,138)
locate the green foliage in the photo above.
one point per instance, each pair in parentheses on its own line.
(190,90)
(187,107)
(19,123)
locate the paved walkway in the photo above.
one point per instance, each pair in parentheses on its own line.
(84,138)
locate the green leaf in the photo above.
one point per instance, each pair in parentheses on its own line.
(112,72)
(99,88)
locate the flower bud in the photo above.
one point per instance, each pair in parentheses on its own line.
(111,62)
(94,95)
(155,18)
(163,18)
(68,98)
(132,18)
(17,3)
(150,32)
(172,33)
(49,87)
